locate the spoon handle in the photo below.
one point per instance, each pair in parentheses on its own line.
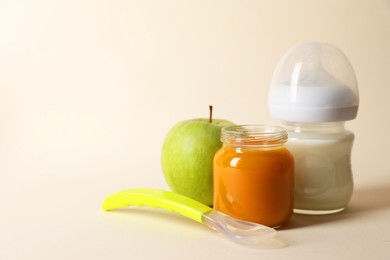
(158,199)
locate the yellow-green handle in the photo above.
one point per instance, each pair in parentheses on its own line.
(157,199)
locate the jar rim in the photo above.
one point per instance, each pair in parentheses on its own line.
(253,135)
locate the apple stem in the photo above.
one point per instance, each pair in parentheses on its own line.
(211,114)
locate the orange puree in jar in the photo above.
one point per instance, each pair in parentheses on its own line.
(254,175)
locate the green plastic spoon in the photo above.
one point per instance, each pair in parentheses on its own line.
(240,231)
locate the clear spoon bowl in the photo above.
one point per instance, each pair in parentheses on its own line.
(239,231)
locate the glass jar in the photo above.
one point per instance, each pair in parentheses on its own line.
(323,172)
(254,175)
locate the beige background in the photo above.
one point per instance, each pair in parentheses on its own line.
(88,90)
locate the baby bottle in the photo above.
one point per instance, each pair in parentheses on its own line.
(313,92)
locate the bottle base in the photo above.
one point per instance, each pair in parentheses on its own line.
(317,212)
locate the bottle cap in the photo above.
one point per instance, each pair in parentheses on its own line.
(314,82)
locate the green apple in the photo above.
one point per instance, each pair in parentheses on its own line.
(187,157)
